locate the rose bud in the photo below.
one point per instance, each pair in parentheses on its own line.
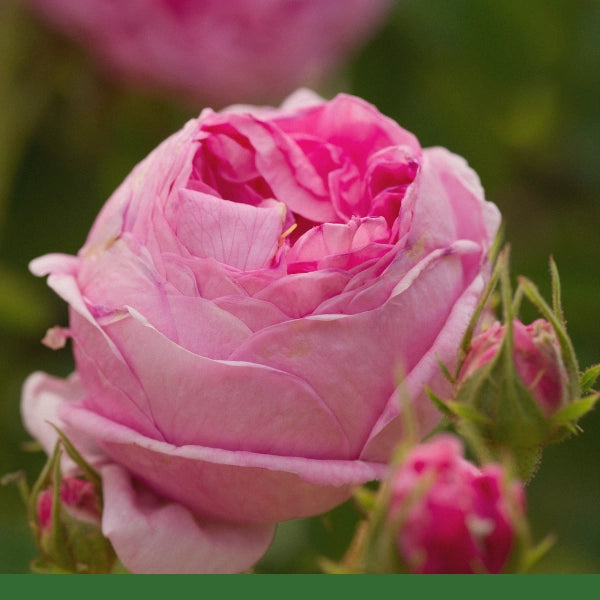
(519,391)
(452,516)
(70,538)
(218,51)
(537,358)
(246,311)
(76,495)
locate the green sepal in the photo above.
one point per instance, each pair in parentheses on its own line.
(588,379)
(439,403)
(54,544)
(19,479)
(88,471)
(468,412)
(91,551)
(558,324)
(72,544)
(465,344)
(501,404)
(575,410)
(364,498)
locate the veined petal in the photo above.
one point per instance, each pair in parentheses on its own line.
(225,404)
(239,235)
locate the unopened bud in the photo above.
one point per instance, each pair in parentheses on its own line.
(537,359)
(452,516)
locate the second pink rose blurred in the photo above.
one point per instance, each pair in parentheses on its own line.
(218,52)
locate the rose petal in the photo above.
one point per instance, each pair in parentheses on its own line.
(224,404)
(151,536)
(41,399)
(451,204)
(359,345)
(389,427)
(239,235)
(299,294)
(331,239)
(283,166)
(242,487)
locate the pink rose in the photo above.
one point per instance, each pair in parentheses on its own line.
(537,358)
(456,517)
(242,313)
(215,50)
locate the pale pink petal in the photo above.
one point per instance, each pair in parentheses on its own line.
(42,397)
(255,313)
(239,235)
(451,204)
(151,536)
(330,239)
(112,389)
(390,425)
(204,277)
(54,263)
(203,327)
(299,294)
(367,351)
(236,486)
(235,405)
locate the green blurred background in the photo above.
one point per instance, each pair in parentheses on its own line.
(512,86)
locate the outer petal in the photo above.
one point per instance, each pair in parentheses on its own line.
(235,486)
(389,427)
(354,362)
(42,398)
(450,204)
(224,404)
(150,536)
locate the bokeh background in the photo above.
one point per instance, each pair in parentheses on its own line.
(512,86)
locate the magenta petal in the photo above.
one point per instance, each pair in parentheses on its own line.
(284,167)
(151,536)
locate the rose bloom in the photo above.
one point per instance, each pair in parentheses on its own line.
(537,358)
(242,314)
(456,517)
(215,50)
